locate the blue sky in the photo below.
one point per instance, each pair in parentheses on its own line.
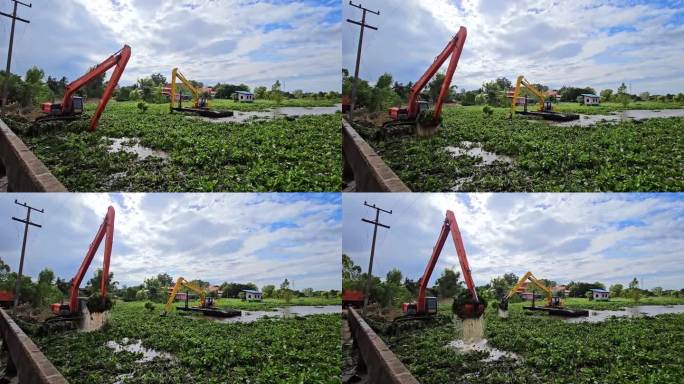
(580,43)
(251,42)
(605,237)
(261,238)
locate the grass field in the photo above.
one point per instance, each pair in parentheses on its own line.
(298,350)
(642,350)
(300,154)
(643,155)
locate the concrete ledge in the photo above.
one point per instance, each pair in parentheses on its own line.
(25,173)
(32,366)
(370,173)
(382,365)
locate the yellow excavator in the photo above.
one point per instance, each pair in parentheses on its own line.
(554,304)
(545,107)
(199,99)
(180,283)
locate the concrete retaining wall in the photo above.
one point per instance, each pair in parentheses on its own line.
(382,365)
(31,365)
(361,163)
(25,173)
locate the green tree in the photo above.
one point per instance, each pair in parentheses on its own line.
(657,291)
(501,285)
(616,290)
(158,79)
(394,277)
(165,279)
(645,96)
(93,284)
(268,291)
(308,292)
(285,292)
(276,94)
(154,290)
(634,292)
(95,87)
(260,92)
(448,284)
(622,97)
(606,94)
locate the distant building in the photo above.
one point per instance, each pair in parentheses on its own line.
(590,99)
(558,289)
(251,295)
(553,94)
(243,96)
(600,294)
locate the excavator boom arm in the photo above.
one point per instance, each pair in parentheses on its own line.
(176,74)
(453,49)
(181,282)
(119,59)
(516,93)
(106,230)
(449,226)
(529,276)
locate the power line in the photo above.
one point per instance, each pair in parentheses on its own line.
(363,26)
(376,224)
(26,222)
(14,17)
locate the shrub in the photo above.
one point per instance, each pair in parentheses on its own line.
(487,110)
(142,106)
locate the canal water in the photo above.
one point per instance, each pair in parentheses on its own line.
(291,112)
(629,312)
(616,117)
(283,313)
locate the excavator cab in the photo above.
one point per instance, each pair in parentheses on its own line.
(423,106)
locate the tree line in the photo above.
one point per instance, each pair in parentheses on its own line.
(396,289)
(33,88)
(48,289)
(386,93)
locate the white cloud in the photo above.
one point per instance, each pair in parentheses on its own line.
(251,42)
(563,237)
(262,238)
(554,43)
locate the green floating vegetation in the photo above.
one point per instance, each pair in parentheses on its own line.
(643,155)
(619,351)
(302,154)
(199,350)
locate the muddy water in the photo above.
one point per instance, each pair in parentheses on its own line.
(630,312)
(616,117)
(129,145)
(135,346)
(283,313)
(481,346)
(469,338)
(472,149)
(292,112)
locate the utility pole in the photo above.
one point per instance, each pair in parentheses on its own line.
(358,52)
(26,222)
(376,223)
(13,16)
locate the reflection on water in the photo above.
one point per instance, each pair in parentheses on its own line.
(135,346)
(630,312)
(283,313)
(292,112)
(469,148)
(628,115)
(129,145)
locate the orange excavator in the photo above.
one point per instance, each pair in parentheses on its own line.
(71,107)
(411,115)
(72,311)
(426,306)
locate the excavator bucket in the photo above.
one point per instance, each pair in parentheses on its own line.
(470,310)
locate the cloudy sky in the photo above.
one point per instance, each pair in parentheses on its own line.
(580,43)
(239,41)
(262,238)
(611,238)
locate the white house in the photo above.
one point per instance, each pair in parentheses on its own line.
(600,294)
(251,295)
(243,96)
(590,99)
